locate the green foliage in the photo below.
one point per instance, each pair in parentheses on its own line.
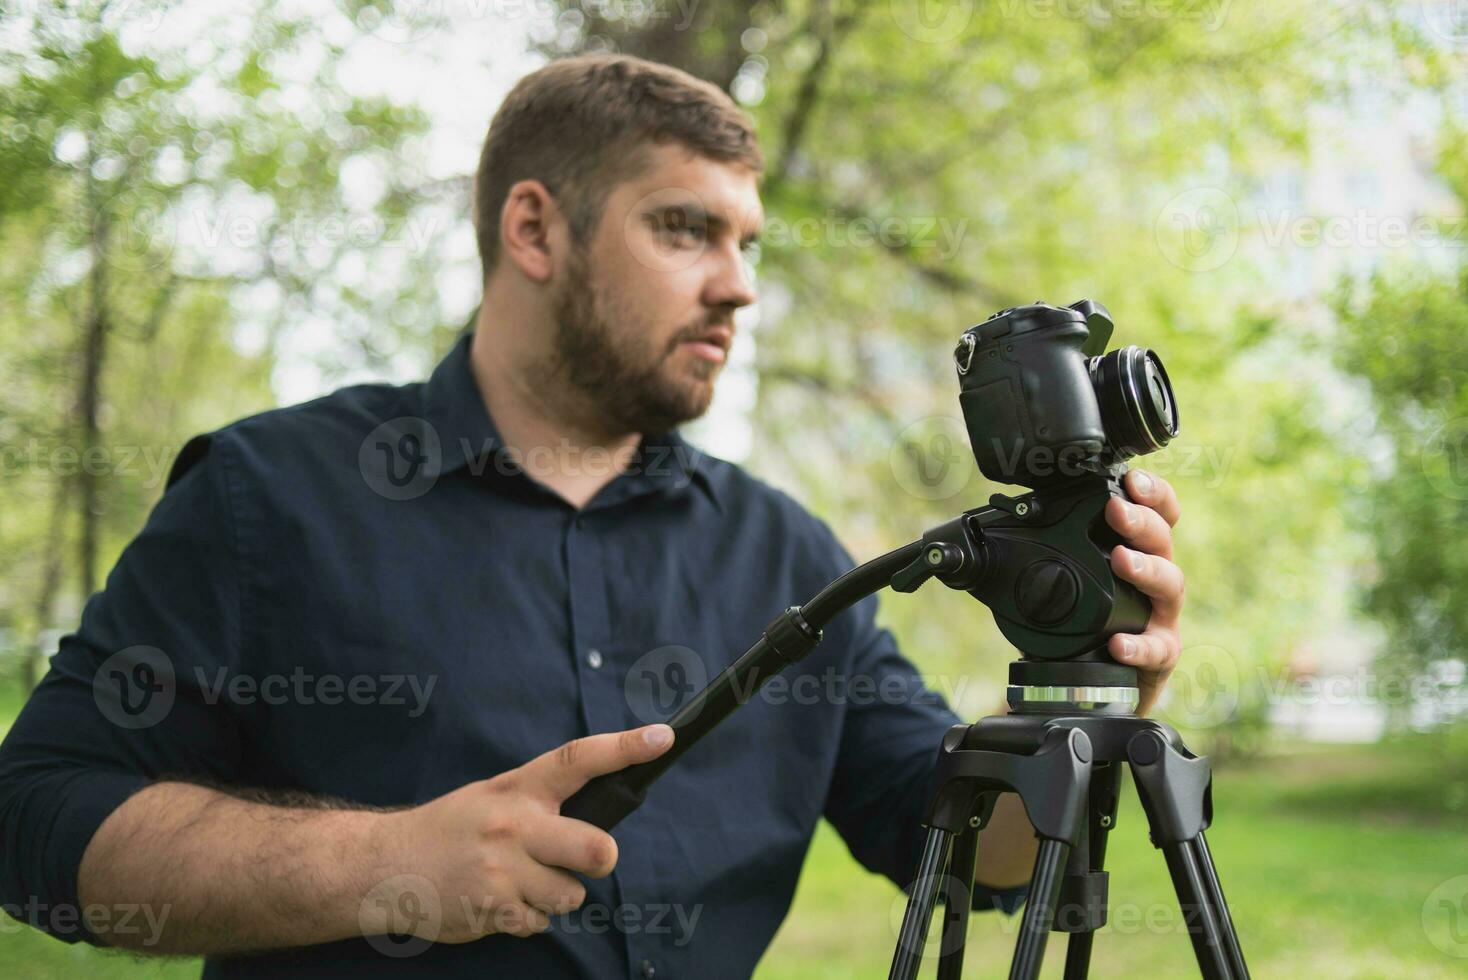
(1406,340)
(169,211)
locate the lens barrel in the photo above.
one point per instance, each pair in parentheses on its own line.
(1138,409)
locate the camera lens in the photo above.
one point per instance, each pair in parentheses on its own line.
(1136,400)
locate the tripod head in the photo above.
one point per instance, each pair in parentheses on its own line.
(1040,563)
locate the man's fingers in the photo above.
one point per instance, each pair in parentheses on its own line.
(1159,579)
(520,920)
(576,846)
(550,890)
(1142,527)
(1152,651)
(564,770)
(1152,490)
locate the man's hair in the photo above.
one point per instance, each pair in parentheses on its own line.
(583,125)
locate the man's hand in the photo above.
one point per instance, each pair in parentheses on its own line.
(498,852)
(1146,562)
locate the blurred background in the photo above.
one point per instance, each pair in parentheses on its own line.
(210,209)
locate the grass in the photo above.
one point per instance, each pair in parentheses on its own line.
(1327,856)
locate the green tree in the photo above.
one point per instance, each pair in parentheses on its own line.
(173,203)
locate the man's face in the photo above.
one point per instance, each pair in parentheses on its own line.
(645,313)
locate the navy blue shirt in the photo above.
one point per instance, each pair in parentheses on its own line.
(367,597)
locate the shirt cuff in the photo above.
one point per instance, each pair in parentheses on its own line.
(76,804)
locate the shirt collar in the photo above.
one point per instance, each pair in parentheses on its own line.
(467,437)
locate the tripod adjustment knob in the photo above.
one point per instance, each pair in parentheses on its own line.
(1047,592)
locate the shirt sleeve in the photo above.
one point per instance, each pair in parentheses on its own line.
(127,699)
(886,762)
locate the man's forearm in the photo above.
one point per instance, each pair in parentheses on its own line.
(220,874)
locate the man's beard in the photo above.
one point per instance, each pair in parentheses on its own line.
(628,382)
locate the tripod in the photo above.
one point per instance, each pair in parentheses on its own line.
(1039,562)
(1061,751)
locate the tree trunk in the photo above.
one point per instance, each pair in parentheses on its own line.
(52,561)
(93,353)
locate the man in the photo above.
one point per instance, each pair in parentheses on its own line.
(330,701)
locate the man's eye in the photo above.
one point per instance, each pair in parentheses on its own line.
(685,232)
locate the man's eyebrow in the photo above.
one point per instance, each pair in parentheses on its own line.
(698,214)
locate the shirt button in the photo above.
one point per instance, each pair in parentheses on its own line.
(648,970)
(593,658)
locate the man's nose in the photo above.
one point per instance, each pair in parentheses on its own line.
(729,283)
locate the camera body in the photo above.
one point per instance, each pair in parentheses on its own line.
(1041,402)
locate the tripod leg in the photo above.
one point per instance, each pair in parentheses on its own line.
(960,886)
(920,901)
(1100,818)
(1174,787)
(1034,928)
(1198,913)
(1214,891)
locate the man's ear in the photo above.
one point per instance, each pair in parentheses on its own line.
(530,224)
